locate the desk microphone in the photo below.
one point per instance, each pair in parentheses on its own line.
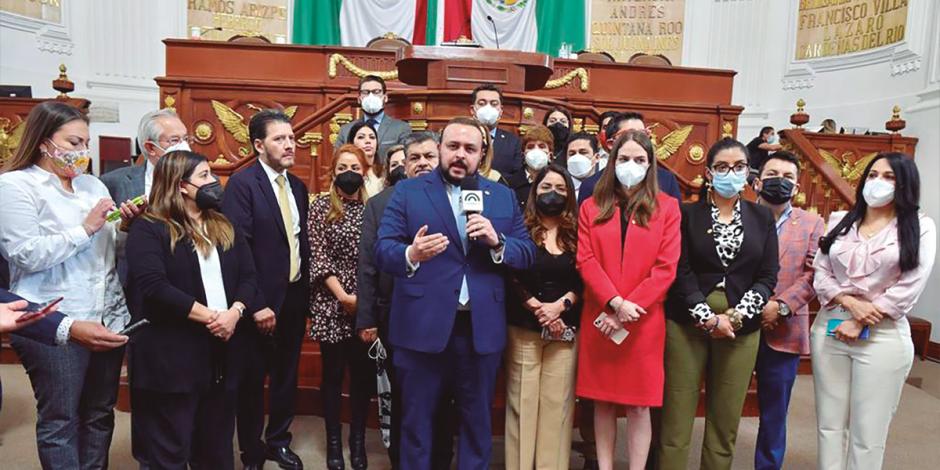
(495,32)
(471,198)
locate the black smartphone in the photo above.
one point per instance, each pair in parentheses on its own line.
(133,327)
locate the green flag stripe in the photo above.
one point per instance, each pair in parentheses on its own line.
(316,22)
(560,22)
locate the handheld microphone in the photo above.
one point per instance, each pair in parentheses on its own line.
(471,198)
(495,31)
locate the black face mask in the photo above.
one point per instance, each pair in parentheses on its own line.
(551,203)
(349,182)
(776,190)
(395,176)
(209,196)
(560,132)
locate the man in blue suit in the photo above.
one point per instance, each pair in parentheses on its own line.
(618,124)
(448,316)
(268,206)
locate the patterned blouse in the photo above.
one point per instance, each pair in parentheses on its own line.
(728,240)
(334,251)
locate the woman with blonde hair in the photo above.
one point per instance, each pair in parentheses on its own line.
(192,277)
(334,225)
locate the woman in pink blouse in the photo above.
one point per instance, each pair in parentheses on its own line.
(870,270)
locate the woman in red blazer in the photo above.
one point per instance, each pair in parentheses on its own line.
(628,249)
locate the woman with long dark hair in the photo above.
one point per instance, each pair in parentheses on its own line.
(541,352)
(628,247)
(334,225)
(364,136)
(870,270)
(727,273)
(559,121)
(191,275)
(54,231)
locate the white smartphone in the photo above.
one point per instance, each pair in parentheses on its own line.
(617,336)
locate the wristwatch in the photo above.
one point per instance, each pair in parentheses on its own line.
(784,310)
(241,310)
(735,318)
(502,242)
(567,303)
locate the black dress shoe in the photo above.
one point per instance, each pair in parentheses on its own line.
(285,458)
(253,466)
(357,450)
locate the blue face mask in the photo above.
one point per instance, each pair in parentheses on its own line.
(729,184)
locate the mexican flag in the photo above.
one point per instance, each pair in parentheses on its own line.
(525,25)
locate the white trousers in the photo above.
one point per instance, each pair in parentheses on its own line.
(858,387)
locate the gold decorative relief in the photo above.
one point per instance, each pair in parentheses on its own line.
(169,102)
(696,154)
(849,171)
(418,125)
(528,113)
(221,161)
(417,107)
(355,70)
(232,121)
(312,140)
(577,125)
(592,128)
(671,142)
(727,129)
(336,124)
(203,132)
(698,182)
(10,137)
(800,199)
(579,72)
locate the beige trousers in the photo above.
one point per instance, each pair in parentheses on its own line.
(858,387)
(540,377)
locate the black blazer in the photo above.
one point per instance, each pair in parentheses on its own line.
(175,354)
(507,153)
(519,183)
(374,287)
(251,205)
(700,269)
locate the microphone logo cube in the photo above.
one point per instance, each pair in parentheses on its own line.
(471,201)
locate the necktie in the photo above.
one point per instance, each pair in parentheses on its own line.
(374,124)
(462,230)
(284,203)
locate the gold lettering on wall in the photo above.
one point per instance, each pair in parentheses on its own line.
(44,10)
(626,27)
(266,18)
(828,28)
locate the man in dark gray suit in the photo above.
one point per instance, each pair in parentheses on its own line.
(159,132)
(372,100)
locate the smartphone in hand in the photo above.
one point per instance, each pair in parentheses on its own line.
(617,336)
(40,311)
(133,327)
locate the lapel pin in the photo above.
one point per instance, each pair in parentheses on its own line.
(487,192)
(709,231)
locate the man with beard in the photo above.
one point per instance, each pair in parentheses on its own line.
(269,206)
(448,314)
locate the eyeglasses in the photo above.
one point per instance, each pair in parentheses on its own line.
(376,92)
(175,140)
(723,169)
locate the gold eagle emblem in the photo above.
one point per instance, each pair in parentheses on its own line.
(671,142)
(10,138)
(234,123)
(849,171)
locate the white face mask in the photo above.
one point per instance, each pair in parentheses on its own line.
(579,166)
(488,115)
(536,159)
(630,173)
(773,139)
(878,192)
(372,104)
(181,145)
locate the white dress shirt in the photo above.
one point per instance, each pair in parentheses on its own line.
(211,270)
(148,179)
(50,254)
(294,213)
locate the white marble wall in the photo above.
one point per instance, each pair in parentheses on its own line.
(113,50)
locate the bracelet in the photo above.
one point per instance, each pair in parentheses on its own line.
(713,328)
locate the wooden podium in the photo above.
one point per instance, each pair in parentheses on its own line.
(458,68)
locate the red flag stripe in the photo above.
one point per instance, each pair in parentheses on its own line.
(457,19)
(421,22)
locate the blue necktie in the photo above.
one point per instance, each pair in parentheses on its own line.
(462,229)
